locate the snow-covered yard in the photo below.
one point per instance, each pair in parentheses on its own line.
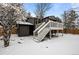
(67,44)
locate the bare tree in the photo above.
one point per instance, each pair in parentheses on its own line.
(70,17)
(65,18)
(9,13)
(41,9)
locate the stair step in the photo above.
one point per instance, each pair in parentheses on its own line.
(42,34)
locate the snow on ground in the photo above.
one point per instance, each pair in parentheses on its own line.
(67,44)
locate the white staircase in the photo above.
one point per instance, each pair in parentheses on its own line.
(41,35)
(36,30)
(43,29)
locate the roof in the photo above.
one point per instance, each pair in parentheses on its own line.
(35,18)
(25,23)
(53,18)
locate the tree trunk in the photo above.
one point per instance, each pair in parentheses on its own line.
(7,34)
(6,43)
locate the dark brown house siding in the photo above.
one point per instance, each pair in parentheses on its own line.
(25,30)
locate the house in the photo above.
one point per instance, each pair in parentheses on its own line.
(33,20)
(49,25)
(36,21)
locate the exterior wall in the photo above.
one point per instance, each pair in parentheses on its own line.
(34,21)
(25,30)
(31,21)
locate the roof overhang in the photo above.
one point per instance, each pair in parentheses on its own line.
(24,23)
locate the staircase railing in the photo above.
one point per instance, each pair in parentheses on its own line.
(35,31)
(46,25)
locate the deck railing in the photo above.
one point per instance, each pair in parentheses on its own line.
(52,24)
(56,24)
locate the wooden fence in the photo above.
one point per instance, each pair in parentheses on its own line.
(72,31)
(14,30)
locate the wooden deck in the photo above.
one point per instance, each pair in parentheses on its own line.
(43,30)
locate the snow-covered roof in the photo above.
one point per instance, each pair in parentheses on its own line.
(22,22)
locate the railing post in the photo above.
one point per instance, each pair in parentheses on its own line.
(62,32)
(50,34)
(57,32)
(50,30)
(33,35)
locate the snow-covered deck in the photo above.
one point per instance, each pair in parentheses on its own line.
(67,44)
